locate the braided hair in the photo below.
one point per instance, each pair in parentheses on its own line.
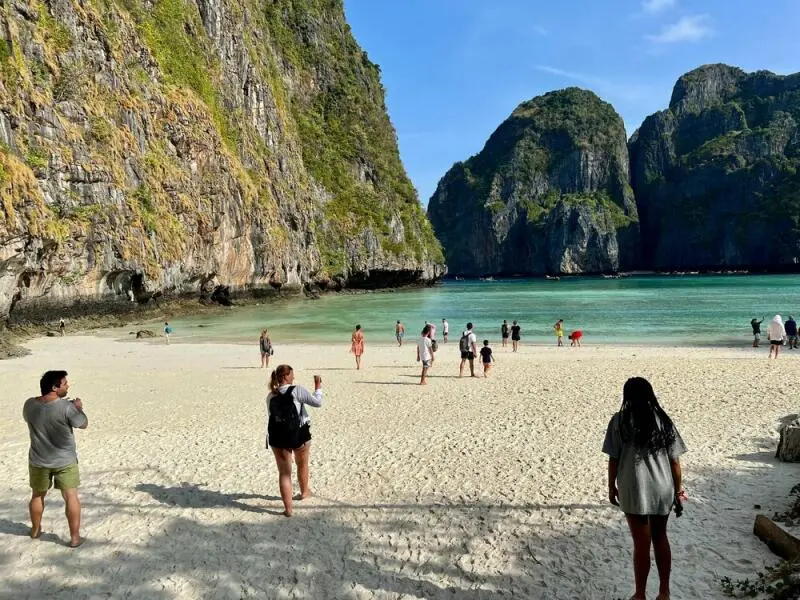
(643,423)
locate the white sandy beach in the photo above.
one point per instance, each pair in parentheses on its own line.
(467,489)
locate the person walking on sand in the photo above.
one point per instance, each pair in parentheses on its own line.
(515,336)
(445,330)
(559,329)
(265,344)
(467,345)
(52,457)
(399,332)
(289,430)
(504,331)
(167,331)
(425,354)
(776,334)
(791,332)
(357,345)
(62,326)
(486,358)
(575,338)
(756,325)
(644,479)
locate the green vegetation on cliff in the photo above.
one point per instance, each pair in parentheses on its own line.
(550,187)
(715,174)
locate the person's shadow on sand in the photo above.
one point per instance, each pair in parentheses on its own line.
(190,495)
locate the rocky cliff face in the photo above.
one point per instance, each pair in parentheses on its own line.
(168,146)
(716,174)
(548,193)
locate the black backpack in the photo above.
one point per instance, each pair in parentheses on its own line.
(463,343)
(283,427)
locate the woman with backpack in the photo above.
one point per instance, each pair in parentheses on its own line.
(289,430)
(265,344)
(644,478)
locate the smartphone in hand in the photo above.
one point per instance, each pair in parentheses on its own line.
(317,380)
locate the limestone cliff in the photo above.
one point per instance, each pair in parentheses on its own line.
(717,174)
(168,146)
(548,193)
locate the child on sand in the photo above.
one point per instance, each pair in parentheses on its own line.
(486,358)
(575,338)
(559,329)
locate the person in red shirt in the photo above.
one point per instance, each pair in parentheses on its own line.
(576,336)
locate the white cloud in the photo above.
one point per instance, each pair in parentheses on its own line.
(622,91)
(652,7)
(688,29)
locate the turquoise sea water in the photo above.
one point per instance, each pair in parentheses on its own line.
(650,310)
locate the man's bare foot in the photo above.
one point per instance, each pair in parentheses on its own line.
(662,596)
(287,513)
(35,535)
(76,543)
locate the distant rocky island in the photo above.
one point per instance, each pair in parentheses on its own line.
(710,183)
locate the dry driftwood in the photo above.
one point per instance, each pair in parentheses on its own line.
(780,542)
(789,444)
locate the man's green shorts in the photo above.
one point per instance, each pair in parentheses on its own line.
(62,478)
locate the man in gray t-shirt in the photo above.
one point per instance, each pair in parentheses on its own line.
(52,458)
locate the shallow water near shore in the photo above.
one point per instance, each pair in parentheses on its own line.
(643,310)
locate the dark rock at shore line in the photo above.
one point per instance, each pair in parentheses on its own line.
(145,333)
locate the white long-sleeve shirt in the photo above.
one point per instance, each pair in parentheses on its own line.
(301,397)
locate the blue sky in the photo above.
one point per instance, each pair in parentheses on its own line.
(455,69)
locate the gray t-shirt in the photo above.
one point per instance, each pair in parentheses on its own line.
(50,427)
(644,481)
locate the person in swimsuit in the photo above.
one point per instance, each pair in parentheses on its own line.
(399,332)
(445,330)
(504,333)
(357,345)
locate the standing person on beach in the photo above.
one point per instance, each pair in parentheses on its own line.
(791,332)
(399,332)
(52,457)
(559,329)
(504,333)
(265,344)
(425,354)
(289,430)
(432,327)
(357,345)
(776,334)
(756,325)
(515,336)
(486,358)
(445,330)
(644,478)
(62,326)
(467,345)
(167,331)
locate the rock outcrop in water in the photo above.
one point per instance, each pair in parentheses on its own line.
(549,193)
(172,146)
(717,174)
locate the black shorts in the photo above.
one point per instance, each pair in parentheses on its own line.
(776,342)
(514,339)
(467,355)
(505,336)
(303,437)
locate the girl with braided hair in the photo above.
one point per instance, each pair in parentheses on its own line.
(644,478)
